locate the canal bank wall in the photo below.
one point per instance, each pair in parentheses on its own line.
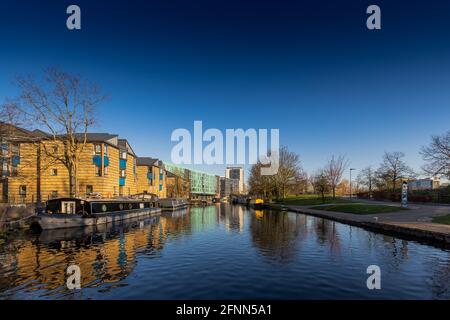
(430,233)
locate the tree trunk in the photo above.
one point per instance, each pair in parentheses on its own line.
(75,180)
(394,180)
(72,182)
(38,177)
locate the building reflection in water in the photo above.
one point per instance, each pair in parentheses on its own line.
(104,255)
(35,265)
(231,216)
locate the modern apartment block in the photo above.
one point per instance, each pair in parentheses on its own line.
(228,187)
(127,169)
(203,186)
(178,185)
(151,176)
(107,167)
(10,143)
(236,173)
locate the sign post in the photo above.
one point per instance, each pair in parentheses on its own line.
(404,194)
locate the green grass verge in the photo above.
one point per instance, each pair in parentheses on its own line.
(311,200)
(360,208)
(442,219)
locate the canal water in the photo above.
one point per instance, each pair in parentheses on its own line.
(221,252)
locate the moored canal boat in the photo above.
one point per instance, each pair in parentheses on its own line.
(256,203)
(173,204)
(75,212)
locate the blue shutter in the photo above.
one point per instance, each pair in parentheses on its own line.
(15,160)
(123,163)
(97,160)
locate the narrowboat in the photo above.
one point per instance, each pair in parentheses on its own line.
(256,203)
(76,212)
(173,204)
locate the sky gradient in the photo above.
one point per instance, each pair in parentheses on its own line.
(309,68)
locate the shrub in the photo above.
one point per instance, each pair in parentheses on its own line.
(363,195)
(420,198)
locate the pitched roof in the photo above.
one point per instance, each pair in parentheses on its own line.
(125,145)
(90,137)
(147,161)
(97,137)
(40,133)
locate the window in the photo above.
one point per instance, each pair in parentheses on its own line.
(23,190)
(106,171)
(5,149)
(55,149)
(123,155)
(68,207)
(98,149)
(89,189)
(122,173)
(5,168)
(106,149)
(54,172)
(150,176)
(15,149)
(4,146)
(98,171)
(54,194)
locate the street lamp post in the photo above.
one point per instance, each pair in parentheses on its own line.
(351,196)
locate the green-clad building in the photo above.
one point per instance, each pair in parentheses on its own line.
(203,186)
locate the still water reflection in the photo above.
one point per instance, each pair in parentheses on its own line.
(221,251)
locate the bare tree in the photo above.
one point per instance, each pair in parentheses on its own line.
(321,183)
(299,184)
(334,170)
(393,169)
(259,185)
(289,172)
(367,178)
(10,119)
(290,177)
(63,104)
(437,155)
(343,187)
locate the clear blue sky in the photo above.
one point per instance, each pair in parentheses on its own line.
(309,68)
